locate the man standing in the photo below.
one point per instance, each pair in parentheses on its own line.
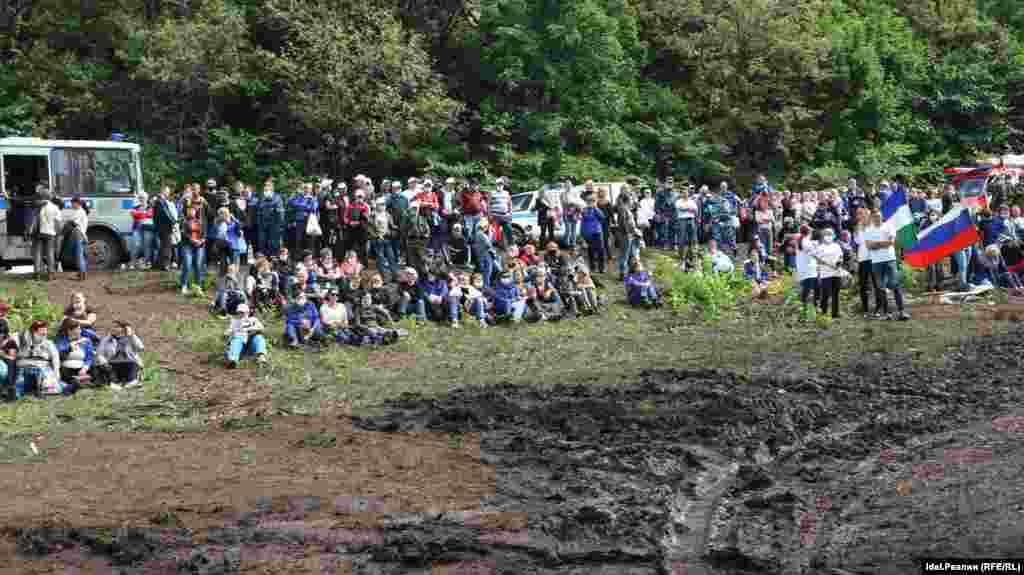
(165,217)
(269,220)
(357,219)
(302,207)
(44,241)
(398,207)
(500,206)
(416,235)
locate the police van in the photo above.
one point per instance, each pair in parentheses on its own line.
(105,174)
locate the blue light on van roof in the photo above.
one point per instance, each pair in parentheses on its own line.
(117,137)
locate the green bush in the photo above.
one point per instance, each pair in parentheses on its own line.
(709,295)
(29,303)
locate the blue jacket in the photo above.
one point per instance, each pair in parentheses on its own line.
(64,347)
(270,215)
(592,220)
(633,286)
(301,207)
(992,228)
(504,297)
(296,314)
(436,287)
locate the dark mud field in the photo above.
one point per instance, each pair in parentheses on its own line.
(861,469)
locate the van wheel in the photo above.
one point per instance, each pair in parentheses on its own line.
(104,251)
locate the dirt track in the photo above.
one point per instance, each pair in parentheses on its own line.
(858,470)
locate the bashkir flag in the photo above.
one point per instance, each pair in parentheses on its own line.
(897,218)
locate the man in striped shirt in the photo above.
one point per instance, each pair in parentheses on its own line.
(500,207)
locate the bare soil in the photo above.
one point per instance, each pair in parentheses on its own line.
(859,468)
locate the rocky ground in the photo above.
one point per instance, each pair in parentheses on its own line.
(860,469)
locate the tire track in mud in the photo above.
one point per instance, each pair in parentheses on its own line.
(692,471)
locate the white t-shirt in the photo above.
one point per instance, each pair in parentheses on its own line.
(862,249)
(831,256)
(645,212)
(687,209)
(333,316)
(806,266)
(880,235)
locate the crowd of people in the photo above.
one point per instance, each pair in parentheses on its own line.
(342,264)
(76,356)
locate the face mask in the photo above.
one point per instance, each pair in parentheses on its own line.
(267,193)
(828,239)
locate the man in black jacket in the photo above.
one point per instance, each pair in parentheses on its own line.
(165,218)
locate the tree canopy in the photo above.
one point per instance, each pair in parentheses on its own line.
(805,90)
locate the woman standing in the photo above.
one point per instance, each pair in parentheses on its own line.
(193,210)
(78,220)
(830,258)
(686,231)
(865,274)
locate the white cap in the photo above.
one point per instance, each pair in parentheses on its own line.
(450,181)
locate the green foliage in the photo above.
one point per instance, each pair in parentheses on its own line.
(703,294)
(29,303)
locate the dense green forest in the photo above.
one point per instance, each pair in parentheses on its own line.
(809,91)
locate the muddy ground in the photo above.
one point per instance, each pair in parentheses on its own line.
(859,469)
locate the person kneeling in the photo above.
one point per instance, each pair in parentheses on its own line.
(641,288)
(303,322)
(245,337)
(76,357)
(119,358)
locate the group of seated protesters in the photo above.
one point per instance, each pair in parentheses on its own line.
(36,365)
(323,300)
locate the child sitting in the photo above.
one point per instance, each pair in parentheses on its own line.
(473,300)
(640,286)
(757,275)
(509,301)
(230,292)
(8,357)
(282,266)
(245,336)
(76,356)
(408,292)
(589,302)
(263,288)
(302,322)
(328,270)
(119,358)
(350,269)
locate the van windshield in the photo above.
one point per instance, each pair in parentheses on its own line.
(88,172)
(521,202)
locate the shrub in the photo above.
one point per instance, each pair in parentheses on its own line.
(703,293)
(30,303)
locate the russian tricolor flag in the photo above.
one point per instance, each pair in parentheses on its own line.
(954,232)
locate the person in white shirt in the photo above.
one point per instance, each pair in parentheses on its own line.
(829,256)
(881,244)
(865,274)
(720,262)
(245,335)
(807,266)
(78,220)
(686,227)
(44,242)
(645,214)
(333,315)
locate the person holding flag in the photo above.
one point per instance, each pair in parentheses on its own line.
(881,241)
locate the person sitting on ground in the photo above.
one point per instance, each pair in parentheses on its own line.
(245,337)
(755,274)
(720,261)
(282,266)
(408,292)
(473,300)
(640,286)
(76,356)
(589,302)
(5,326)
(263,288)
(542,299)
(38,362)
(230,292)
(529,257)
(991,269)
(434,302)
(334,317)
(8,361)
(373,302)
(509,301)
(119,358)
(302,322)
(79,310)
(327,268)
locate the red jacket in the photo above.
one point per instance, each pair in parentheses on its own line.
(427,199)
(357,214)
(472,202)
